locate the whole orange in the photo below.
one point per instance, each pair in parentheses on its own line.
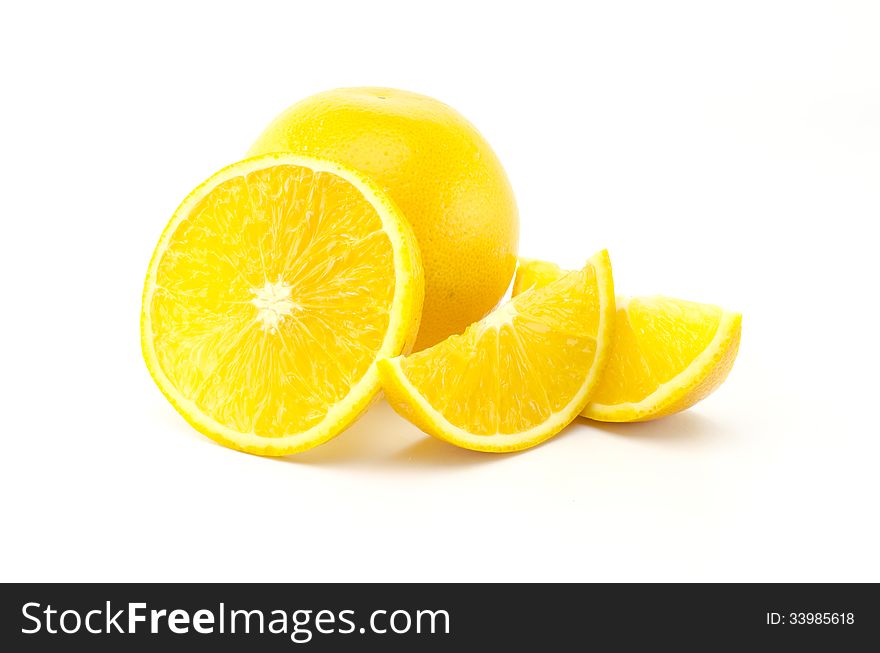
(439,170)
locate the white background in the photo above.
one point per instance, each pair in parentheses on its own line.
(723,152)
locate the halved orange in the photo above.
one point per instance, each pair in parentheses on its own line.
(274,289)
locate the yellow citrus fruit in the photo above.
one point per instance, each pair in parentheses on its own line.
(273,290)
(517,377)
(442,174)
(667,354)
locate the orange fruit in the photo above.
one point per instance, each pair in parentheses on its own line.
(518,376)
(274,289)
(666,354)
(442,174)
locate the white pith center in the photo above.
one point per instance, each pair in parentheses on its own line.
(502,315)
(274,303)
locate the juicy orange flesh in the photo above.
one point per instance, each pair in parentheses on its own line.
(272,298)
(654,338)
(495,377)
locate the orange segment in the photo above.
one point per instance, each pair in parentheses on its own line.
(518,376)
(667,354)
